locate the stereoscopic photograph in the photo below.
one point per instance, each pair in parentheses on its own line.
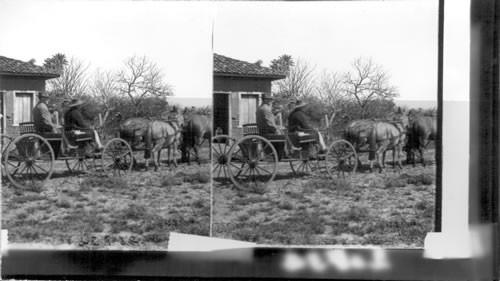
(105,123)
(325,122)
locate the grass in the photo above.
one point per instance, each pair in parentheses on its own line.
(27,198)
(90,183)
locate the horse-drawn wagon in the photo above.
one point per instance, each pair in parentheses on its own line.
(254,159)
(29,158)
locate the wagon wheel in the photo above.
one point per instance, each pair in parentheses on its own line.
(253,163)
(308,163)
(338,160)
(80,163)
(117,158)
(4,143)
(29,161)
(221,145)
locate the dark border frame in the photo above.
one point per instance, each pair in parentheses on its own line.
(404,264)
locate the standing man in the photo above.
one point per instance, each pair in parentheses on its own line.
(42,116)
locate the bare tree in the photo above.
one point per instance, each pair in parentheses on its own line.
(331,89)
(73,79)
(299,81)
(142,78)
(104,89)
(368,83)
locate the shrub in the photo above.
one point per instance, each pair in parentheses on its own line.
(200,203)
(248,200)
(135,212)
(27,198)
(243,217)
(355,214)
(156,237)
(103,182)
(286,205)
(398,182)
(62,203)
(169,181)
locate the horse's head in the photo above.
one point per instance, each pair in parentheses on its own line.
(402,122)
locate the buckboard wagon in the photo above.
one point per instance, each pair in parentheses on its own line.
(29,158)
(253,160)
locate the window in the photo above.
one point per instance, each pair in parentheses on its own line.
(23,104)
(248,108)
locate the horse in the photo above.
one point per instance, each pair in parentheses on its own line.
(161,134)
(133,130)
(422,130)
(376,137)
(195,131)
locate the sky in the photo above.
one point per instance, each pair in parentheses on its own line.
(103,34)
(401,36)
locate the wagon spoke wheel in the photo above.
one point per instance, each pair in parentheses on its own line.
(221,145)
(338,160)
(4,144)
(117,158)
(80,163)
(308,162)
(29,161)
(252,163)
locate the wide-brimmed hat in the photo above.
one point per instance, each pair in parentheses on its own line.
(43,95)
(267,97)
(75,102)
(299,104)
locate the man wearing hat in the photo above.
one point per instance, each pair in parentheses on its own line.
(42,116)
(298,122)
(265,116)
(266,123)
(73,120)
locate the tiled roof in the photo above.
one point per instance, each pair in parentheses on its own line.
(224,66)
(10,66)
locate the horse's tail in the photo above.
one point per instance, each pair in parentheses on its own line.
(148,139)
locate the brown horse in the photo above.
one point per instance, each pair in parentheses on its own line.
(376,137)
(133,130)
(159,135)
(422,130)
(196,130)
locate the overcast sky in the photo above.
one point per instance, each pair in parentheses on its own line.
(175,35)
(401,36)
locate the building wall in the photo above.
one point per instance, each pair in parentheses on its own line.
(241,84)
(11,83)
(9,86)
(235,87)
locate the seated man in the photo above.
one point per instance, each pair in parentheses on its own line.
(266,124)
(42,116)
(73,121)
(298,122)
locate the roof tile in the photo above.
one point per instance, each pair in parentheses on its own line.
(228,67)
(16,67)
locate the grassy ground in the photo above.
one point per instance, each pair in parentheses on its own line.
(95,212)
(390,209)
